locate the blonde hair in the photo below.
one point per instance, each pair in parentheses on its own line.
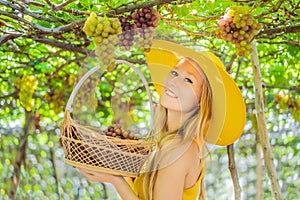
(194,128)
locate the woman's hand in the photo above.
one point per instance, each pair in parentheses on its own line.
(94,176)
(119,182)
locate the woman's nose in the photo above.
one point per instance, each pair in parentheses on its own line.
(172,81)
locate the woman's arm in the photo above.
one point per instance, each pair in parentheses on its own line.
(121,185)
(170,181)
(124,190)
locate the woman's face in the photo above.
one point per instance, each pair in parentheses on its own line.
(182,87)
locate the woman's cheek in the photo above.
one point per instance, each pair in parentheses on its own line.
(189,100)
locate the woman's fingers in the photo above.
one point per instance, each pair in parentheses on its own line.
(98,176)
(91,175)
(86,171)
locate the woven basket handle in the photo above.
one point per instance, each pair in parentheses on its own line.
(93,70)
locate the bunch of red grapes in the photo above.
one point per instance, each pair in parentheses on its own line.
(239,27)
(118,132)
(140,23)
(129,31)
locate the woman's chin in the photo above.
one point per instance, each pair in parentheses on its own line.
(170,103)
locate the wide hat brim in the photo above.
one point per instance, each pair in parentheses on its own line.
(228,107)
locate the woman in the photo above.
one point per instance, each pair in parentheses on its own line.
(199,103)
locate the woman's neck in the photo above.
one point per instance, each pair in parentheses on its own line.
(175,119)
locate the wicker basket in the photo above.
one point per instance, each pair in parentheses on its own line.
(90,148)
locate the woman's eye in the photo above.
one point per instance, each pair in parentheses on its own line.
(174,73)
(188,80)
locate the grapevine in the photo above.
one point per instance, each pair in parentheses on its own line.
(27,86)
(239,27)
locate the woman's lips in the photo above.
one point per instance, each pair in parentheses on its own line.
(170,93)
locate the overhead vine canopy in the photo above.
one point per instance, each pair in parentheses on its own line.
(43,46)
(37,33)
(45,38)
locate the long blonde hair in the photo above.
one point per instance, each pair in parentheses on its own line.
(193,128)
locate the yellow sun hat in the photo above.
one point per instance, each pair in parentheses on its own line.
(228,107)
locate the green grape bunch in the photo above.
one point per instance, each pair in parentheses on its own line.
(292,104)
(101,27)
(106,51)
(282,101)
(294,107)
(104,32)
(27,86)
(239,27)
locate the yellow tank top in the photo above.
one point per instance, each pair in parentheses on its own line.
(191,193)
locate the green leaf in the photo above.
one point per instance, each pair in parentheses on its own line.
(183,11)
(292,50)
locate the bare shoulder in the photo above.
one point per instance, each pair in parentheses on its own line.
(180,156)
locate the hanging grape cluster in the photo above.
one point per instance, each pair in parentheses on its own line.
(146,20)
(286,102)
(105,50)
(85,99)
(104,32)
(129,31)
(56,98)
(239,27)
(27,86)
(141,23)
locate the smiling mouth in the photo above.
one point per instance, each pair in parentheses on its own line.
(170,93)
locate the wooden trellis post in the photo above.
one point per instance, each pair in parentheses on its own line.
(261,124)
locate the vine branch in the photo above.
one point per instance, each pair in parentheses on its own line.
(23,10)
(34,3)
(53,161)
(11,36)
(230,151)
(233,172)
(21,154)
(262,127)
(58,7)
(62,45)
(272,31)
